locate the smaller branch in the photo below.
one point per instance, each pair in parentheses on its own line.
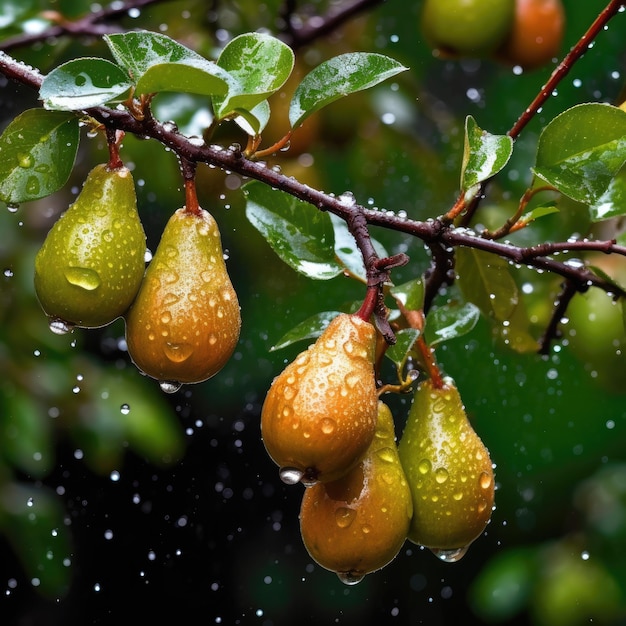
(570,289)
(566,65)
(320,26)
(441,272)
(87,25)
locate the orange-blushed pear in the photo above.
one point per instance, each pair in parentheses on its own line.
(319,415)
(358,523)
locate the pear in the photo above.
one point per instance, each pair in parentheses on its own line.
(449,472)
(92,261)
(319,415)
(185,322)
(357,524)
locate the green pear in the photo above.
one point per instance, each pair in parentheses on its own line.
(185,322)
(91,264)
(357,524)
(449,472)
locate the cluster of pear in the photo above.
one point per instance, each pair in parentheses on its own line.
(525,33)
(323,424)
(182,314)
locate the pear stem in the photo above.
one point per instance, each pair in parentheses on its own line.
(430,363)
(114,139)
(191,194)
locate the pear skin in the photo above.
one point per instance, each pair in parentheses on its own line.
(319,415)
(357,524)
(185,322)
(449,472)
(92,261)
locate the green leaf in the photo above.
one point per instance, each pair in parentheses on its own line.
(37,153)
(582,149)
(83,83)
(300,235)
(484,154)
(197,76)
(138,51)
(538,212)
(450,321)
(485,279)
(254,121)
(310,328)
(347,251)
(405,339)
(410,294)
(612,203)
(338,77)
(260,65)
(32,518)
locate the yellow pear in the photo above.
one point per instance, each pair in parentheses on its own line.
(357,524)
(319,415)
(185,322)
(449,472)
(92,262)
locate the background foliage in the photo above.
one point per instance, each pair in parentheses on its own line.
(154,506)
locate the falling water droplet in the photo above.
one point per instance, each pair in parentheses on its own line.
(125,409)
(450,556)
(60,327)
(170,386)
(350,578)
(290,475)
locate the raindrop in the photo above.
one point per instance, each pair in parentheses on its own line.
(290,475)
(344,516)
(178,352)
(347,199)
(170,386)
(441,475)
(60,327)
(13,208)
(350,578)
(449,556)
(125,409)
(82,277)
(328,425)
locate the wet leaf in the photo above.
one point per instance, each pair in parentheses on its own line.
(485,279)
(612,203)
(405,339)
(582,149)
(300,235)
(254,121)
(260,65)
(410,294)
(539,212)
(83,83)
(484,154)
(450,321)
(138,51)
(338,77)
(197,76)
(310,328)
(37,153)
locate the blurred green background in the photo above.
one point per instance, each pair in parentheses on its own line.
(118,502)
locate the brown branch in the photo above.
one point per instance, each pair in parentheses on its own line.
(88,25)
(297,36)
